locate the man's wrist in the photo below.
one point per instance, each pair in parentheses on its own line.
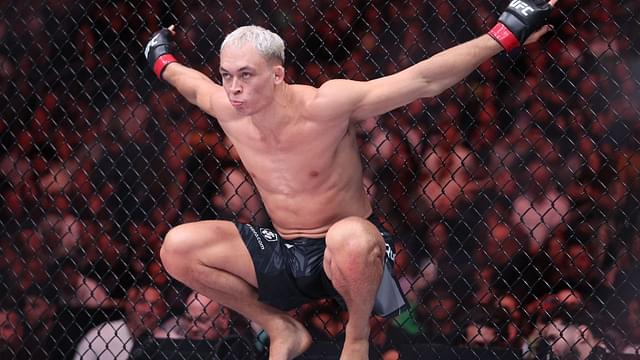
(491,43)
(503,36)
(161,63)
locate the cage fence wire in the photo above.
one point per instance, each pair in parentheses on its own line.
(514,195)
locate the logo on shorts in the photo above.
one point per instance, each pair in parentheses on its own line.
(255,234)
(268,234)
(390,253)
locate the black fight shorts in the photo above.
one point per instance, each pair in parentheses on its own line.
(290,272)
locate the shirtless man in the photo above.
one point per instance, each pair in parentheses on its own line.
(298,143)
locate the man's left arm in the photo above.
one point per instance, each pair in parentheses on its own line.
(522,23)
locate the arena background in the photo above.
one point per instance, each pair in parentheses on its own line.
(515,194)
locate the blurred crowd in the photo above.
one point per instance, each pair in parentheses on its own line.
(514,195)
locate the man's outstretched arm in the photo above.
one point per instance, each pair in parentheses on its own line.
(195,86)
(522,23)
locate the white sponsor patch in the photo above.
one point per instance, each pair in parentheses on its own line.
(268,234)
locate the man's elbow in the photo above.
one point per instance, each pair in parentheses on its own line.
(433,89)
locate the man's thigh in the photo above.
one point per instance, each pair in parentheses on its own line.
(218,244)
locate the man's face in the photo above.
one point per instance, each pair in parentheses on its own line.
(562,338)
(248,78)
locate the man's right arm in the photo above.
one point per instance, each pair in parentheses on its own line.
(196,87)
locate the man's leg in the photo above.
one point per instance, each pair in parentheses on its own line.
(211,258)
(353,262)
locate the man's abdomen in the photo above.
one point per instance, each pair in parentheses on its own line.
(311,215)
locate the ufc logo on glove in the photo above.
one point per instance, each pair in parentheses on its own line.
(521,19)
(521,7)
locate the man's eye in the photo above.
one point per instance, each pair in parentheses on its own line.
(246,75)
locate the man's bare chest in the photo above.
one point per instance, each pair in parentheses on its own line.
(295,157)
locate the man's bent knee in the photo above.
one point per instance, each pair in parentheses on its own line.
(176,248)
(212,243)
(354,236)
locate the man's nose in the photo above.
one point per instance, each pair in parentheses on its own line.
(235,86)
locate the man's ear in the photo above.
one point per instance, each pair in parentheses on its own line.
(278,74)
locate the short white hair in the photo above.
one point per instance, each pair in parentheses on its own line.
(267,43)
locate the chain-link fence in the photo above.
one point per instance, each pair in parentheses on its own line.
(514,195)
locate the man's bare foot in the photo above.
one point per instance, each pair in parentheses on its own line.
(355,350)
(288,339)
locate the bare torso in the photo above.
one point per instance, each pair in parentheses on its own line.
(308,172)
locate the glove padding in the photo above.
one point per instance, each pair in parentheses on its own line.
(519,20)
(158,51)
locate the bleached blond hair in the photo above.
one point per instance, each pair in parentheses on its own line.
(268,44)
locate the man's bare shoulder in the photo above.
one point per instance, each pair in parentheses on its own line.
(301,97)
(338,87)
(303,93)
(332,100)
